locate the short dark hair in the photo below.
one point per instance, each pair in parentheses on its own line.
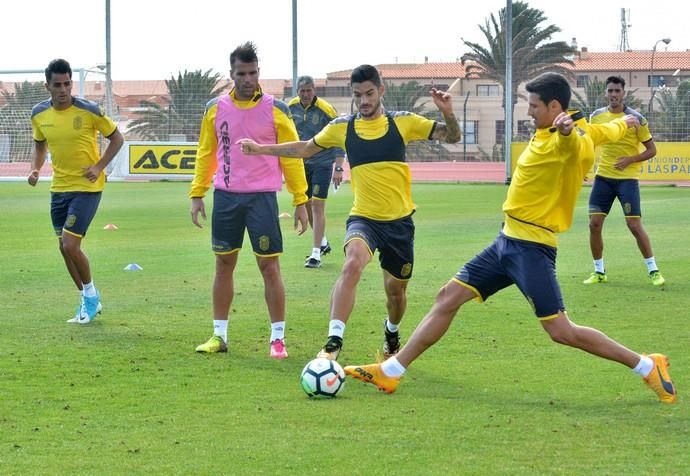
(365,72)
(615,80)
(246,53)
(550,86)
(58,66)
(305,80)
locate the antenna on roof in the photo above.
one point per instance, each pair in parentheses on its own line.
(623,44)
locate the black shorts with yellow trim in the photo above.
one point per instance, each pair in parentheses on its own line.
(393,239)
(319,177)
(73,212)
(605,190)
(530,266)
(257,212)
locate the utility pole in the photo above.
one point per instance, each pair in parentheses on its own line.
(294,48)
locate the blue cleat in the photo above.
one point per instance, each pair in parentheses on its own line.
(87,311)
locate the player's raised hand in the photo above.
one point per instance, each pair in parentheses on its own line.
(564,123)
(249,147)
(443,100)
(631,121)
(196,209)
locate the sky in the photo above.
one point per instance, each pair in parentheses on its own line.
(154,39)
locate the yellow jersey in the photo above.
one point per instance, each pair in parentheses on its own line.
(548,178)
(628,146)
(282,128)
(381,185)
(71,135)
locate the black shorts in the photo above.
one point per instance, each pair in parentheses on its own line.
(319,177)
(256,212)
(529,265)
(605,190)
(394,240)
(73,211)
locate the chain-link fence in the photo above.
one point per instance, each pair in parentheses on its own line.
(657,86)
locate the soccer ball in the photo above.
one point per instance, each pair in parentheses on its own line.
(322,378)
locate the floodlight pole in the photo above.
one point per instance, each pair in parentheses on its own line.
(294,48)
(108,70)
(508,92)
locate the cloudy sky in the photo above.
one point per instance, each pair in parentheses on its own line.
(152,39)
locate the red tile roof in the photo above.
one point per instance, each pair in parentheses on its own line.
(631,61)
(411,71)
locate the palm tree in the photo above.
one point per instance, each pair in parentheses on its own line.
(595,97)
(15,117)
(672,122)
(404,97)
(187,98)
(533,54)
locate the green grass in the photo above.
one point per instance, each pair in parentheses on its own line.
(127,394)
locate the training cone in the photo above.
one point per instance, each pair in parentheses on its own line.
(110,226)
(284,215)
(133,267)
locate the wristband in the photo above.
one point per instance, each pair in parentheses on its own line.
(338,168)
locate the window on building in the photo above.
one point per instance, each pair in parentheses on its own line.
(525,128)
(581,80)
(656,80)
(674,81)
(500,131)
(487,90)
(469,131)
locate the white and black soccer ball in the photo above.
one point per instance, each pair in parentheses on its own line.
(322,378)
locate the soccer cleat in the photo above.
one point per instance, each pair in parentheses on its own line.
(596,278)
(332,349)
(659,380)
(77,315)
(278,350)
(312,262)
(89,308)
(373,374)
(657,278)
(90,305)
(213,345)
(325,249)
(391,342)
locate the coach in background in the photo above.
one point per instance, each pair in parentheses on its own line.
(68,127)
(617,177)
(311,114)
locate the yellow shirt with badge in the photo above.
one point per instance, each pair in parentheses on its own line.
(72,137)
(548,178)
(628,146)
(382,190)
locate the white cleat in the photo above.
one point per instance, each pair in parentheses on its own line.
(83,318)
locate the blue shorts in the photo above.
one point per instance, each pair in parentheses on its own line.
(256,212)
(73,211)
(605,190)
(394,240)
(530,266)
(318,179)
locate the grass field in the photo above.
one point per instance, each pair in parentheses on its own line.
(127,394)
